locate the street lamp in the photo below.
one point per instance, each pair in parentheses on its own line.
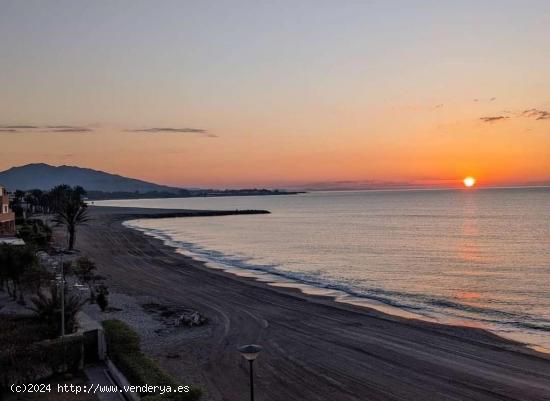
(60,280)
(250,353)
(62,299)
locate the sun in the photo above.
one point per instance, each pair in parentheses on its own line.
(469,182)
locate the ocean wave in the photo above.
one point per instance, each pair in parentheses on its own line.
(420,304)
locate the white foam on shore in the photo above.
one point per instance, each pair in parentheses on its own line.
(338,295)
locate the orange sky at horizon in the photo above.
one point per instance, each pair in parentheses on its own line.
(433,154)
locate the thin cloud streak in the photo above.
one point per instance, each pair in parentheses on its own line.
(493,119)
(19,127)
(537,114)
(86,129)
(172,130)
(75,130)
(179,130)
(43,129)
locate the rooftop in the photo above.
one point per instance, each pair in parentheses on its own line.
(11,241)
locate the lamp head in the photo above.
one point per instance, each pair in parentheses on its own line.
(250,352)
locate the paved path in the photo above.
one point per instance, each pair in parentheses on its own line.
(98,376)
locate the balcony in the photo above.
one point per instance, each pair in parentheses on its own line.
(4,217)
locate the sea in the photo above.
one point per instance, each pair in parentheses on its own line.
(477,258)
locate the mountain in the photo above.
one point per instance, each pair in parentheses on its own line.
(43,176)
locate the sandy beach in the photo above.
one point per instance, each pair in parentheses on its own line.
(314,348)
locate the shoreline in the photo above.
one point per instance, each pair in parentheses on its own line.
(331,291)
(273,279)
(352,329)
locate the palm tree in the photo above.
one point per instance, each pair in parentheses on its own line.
(48,308)
(71,212)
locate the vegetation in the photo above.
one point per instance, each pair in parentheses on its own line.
(65,202)
(85,270)
(20,271)
(48,309)
(123,346)
(32,202)
(103,297)
(35,233)
(70,209)
(27,355)
(30,345)
(16,203)
(22,330)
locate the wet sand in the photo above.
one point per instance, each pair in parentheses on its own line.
(314,347)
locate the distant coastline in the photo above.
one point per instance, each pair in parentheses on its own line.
(186,193)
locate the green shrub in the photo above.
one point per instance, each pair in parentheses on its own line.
(27,355)
(123,347)
(121,339)
(102,298)
(35,232)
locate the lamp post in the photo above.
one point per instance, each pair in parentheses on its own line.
(250,353)
(60,280)
(62,299)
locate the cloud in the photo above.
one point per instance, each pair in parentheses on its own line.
(492,99)
(493,119)
(172,130)
(84,129)
(44,128)
(537,114)
(16,127)
(167,129)
(69,129)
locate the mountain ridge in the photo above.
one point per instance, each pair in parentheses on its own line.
(44,176)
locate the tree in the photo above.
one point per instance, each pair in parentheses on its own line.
(103,297)
(18,196)
(33,199)
(36,233)
(16,263)
(85,271)
(34,278)
(48,308)
(16,203)
(57,196)
(70,210)
(7,268)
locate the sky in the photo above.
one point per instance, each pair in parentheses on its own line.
(279,93)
